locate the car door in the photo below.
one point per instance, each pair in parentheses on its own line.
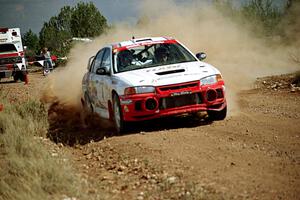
(95,80)
(106,78)
(102,84)
(87,77)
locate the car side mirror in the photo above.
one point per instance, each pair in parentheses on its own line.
(201,56)
(102,71)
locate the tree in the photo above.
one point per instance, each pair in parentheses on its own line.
(264,13)
(87,21)
(53,37)
(290,28)
(261,16)
(56,34)
(64,19)
(31,40)
(84,20)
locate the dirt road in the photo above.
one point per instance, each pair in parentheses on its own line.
(254,154)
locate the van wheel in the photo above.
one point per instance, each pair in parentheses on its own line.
(16,77)
(22,77)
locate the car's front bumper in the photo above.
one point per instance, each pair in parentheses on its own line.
(174,100)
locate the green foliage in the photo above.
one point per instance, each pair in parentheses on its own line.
(84,20)
(261,16)
(64,19)
(290,24)
(55,37)
(87,21)
(262,12)
(31,40)
(28,168)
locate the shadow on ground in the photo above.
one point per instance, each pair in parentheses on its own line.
(68,125)
(167,123)
(9,81)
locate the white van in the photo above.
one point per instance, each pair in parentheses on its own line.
(12,56)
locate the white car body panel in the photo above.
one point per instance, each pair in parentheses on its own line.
(144,77)
(101,87)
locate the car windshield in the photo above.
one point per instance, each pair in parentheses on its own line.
(151,55)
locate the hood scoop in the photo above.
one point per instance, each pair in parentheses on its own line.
(170,72)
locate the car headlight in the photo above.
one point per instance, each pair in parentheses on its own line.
(211,79)
(139,90)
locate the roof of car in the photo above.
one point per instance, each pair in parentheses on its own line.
(141,41)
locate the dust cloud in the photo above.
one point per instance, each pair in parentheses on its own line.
(239,56)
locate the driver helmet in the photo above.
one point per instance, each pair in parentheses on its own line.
(161,54)
(125,58)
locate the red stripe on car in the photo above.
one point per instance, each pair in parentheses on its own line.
(5,55)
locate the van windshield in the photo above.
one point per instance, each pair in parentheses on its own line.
(4,48)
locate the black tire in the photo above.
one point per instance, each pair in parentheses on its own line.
(217,115)
(119,124)
(22,77)
(86,104)
(88,111)
(19,75)
(16,76)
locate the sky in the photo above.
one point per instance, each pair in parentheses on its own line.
(31,14)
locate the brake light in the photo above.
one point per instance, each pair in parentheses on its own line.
(14,33)
(21,53)
(3,30)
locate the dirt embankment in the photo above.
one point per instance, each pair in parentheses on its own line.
(254,154)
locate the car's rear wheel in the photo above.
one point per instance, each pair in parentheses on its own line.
(119,123)
(217,115)
(88,110)
(87,104)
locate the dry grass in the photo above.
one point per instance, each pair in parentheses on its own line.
(28,170)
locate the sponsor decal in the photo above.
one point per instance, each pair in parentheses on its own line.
(181,93)
(126,109)
(126,102)
(163,68)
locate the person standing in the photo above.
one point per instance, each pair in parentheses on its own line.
(48,61)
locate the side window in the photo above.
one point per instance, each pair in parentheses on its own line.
(106,61)
(97,60)
(91,63)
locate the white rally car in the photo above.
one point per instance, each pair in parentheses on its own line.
(149,78)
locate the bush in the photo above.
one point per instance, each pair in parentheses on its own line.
(28,169)
(262,16)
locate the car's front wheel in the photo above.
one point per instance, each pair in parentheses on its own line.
(119,123)
(217,115)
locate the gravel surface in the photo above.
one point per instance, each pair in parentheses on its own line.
(254,154)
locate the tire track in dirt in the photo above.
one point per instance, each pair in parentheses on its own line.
(254,154)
